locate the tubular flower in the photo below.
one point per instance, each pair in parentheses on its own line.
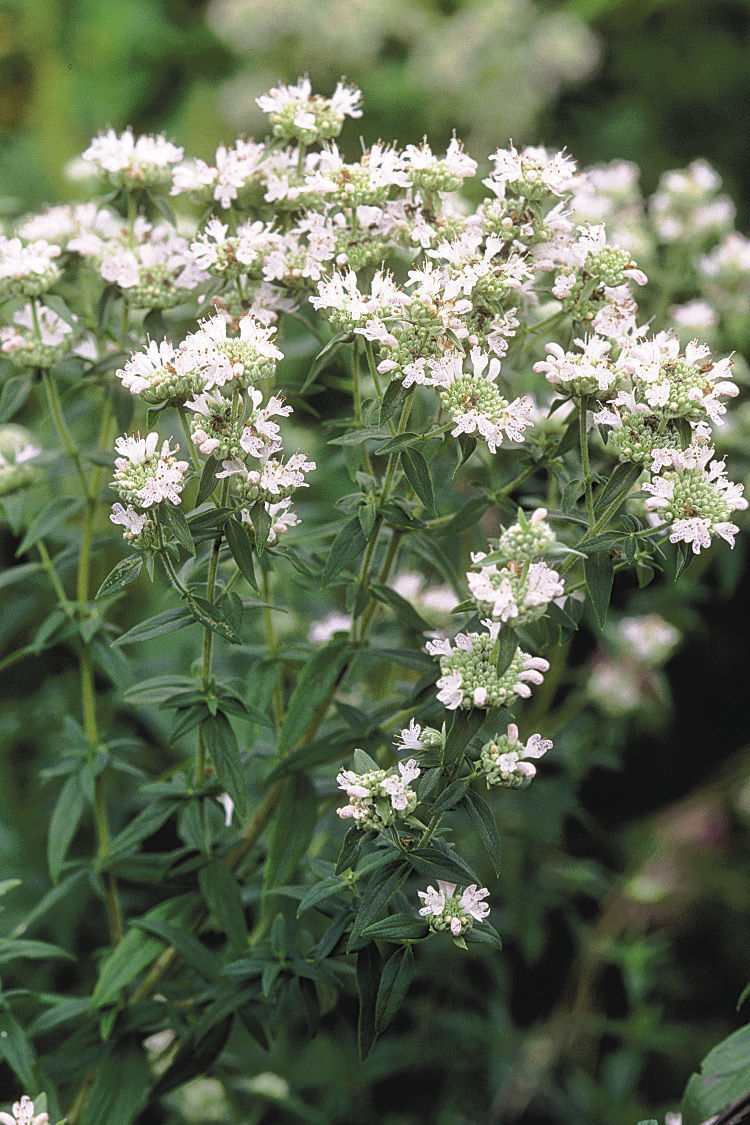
(446,910)
(696,498)
(378,798)
(23,1114)
(506,761)
(469,671)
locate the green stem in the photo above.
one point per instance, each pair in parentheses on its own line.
(278,691)
(189,439)
(208,638)
(55,408)
(584,444)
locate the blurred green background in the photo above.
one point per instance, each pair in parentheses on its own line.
(654,81)
(658,82)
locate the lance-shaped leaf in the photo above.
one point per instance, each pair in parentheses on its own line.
(347,546)
(599,574)
(126,572)
(395,980)
(173,518)
(241,548)
(314,687)
(418,475)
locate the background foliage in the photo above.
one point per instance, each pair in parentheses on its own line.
(626,875)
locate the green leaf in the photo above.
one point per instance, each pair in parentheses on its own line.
(434,863)
(120,1088)
(405,611)
(208,480)
(18,573)
(464,726)
(21,949)
(395,980)
(126,572)
(195,1056)
(618,485)
(314,686)
(467,444)
(599,574)
(193,952)
(241,548)
(158,689)
(397,444)
(724,1076)
(136,951)
(262,525)
(293,827)
(321,892)
(397,927)
(324,357)
(451,796)
(507,645)
(13,395)
(165,622)
(418,475)
(684,555)
(369,967)
(17,1051)
(393,399)
(51,516)
(367,516)
(64,824)
(483,819)
(221,893)
(222,745)
(350,849)
(347,546)
(212,617)
(104,308)
(382,886)
(173,518)
(148,821)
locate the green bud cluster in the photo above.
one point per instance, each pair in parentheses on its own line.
(469,393)
(640,434)
(526,540)
(478,669)
(494,771)
(695,494)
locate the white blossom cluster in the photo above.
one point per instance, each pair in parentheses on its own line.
(18,458)
(469,676)
(444,909)
(507,762)
(377,798)
(23,1114)
(212,374)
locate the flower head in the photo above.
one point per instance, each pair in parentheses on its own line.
(508,762)
(446,910)
(23,1114)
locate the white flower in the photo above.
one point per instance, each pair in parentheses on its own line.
(227,804)
(23,1114)
(410,737)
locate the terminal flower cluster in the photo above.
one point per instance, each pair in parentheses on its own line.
(444,909)
(469,671)
(507,762)
(377,798)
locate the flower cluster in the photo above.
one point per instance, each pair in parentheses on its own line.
(469,671)
(145,476)
(130,162)
(695,497)
(519,592)
(23,1114)
(295,113)
(446,910)
(377,798)
(18,455)
(507,762)
(38,337)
